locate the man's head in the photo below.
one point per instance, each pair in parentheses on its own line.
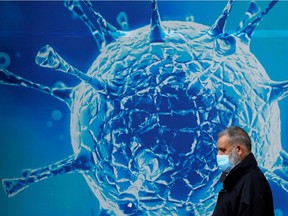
(235,143)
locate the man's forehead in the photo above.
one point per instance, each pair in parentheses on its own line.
(223,141)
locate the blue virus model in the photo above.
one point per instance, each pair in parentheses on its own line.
(145,118)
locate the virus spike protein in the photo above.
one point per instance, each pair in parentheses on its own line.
(75,7)
(279,90)
(110,33)
(8,78)
(247,32)
(48,58)
(218,27)
(81,162)
(252,11)
(157,33)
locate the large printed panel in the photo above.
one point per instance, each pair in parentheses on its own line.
(131,96)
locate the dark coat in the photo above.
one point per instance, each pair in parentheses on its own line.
(245,192)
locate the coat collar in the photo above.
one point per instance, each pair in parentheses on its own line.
(238,171)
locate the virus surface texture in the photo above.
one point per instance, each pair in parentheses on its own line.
(145,118)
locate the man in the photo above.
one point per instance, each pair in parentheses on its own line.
(245,189)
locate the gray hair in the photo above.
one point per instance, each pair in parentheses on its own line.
(237,135)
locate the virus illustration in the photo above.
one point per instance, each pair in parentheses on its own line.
(145,118)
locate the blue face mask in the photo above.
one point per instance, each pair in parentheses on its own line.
(224,163)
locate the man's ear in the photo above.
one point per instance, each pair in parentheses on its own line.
(240,149)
